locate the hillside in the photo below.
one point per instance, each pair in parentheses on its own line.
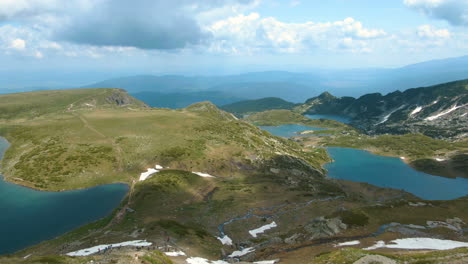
(35,104)
(259,105)
(89,128)
(218,181)
(438,111)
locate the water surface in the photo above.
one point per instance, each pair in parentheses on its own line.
(28,216)
(362,166)
(339,118)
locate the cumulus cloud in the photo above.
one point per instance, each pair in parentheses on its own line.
(428,31)
(18,44)
(252,33)
(453,11)
(145,24)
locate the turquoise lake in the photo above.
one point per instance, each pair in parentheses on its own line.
(362,166)
(29,216)
(342,119)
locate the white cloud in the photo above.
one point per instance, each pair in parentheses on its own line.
(18,44)
(252,33)
(428,31)
(453,11)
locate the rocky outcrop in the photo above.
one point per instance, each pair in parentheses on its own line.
(322,227)
(439,111)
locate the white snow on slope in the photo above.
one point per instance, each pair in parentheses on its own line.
(205,175)
(95,249)
(159,167)
(267,261)
(434,117)
(420,243)
(416,110)
(348,243)
(241,253)
(439,159)
(175,253)
(262,229)
(385,119)
(379,244)
(147,174)
(197,260)
(225,240)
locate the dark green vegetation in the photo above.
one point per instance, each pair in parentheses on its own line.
(259,105)
(436,111)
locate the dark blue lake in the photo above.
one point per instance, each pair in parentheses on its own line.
(342,119)
(28,216)
(288,130)
(362,166)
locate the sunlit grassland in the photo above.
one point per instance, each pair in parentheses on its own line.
(84,148)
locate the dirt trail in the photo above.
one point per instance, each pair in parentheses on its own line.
(112,142)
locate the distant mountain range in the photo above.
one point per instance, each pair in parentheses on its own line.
(295,87)
(437,111)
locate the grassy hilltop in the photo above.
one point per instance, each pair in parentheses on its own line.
(97,136)
(80,138)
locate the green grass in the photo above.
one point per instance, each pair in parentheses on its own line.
(84,148)
(35,104)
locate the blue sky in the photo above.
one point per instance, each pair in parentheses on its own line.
(226,36)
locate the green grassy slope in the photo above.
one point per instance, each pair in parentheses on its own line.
(34,104)
(84,147)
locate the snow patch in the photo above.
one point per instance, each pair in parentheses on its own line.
(377,245)
(147,174)
(225,240)
(439,159)
(262,229)
(197,260)
(242,252)
(402,158)
(349,243)
(267,261)
(175,253)
(96,249)
(385,119)
(416,110)
(420,243)
(205,175)
(158,167)
(434,117)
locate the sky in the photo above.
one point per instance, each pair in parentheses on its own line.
(121,37)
